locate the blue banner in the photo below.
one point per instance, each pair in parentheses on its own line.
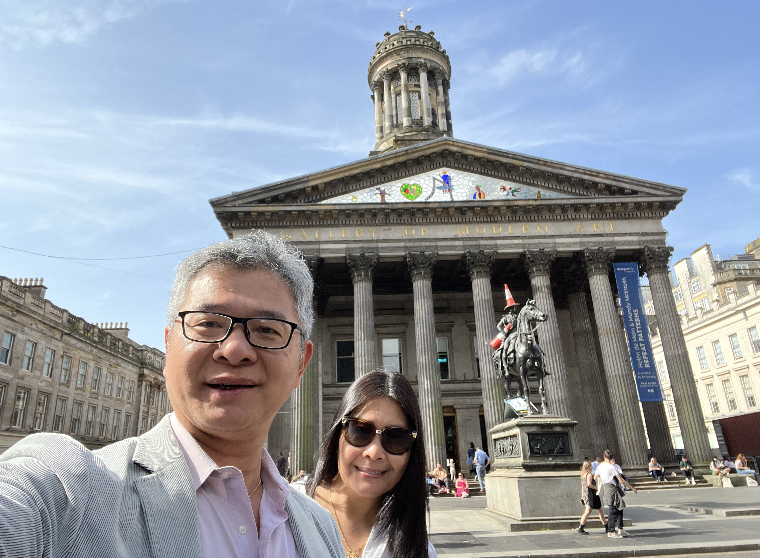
(637,331)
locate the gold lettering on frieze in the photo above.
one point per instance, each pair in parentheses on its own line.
(494,229)
(359,233)
(480,229)
(343,233)
(286,235)
(526,229)
(580,228)
(460,232)
(329,233)
(511,229)
(545,227)
(373,232)
(407,233)
(596,227)
(302,235)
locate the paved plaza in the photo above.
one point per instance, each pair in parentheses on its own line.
(727,522)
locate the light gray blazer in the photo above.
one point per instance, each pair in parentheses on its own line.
(134,498)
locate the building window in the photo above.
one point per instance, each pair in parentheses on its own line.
(3,391)
(701,303)
(729,291)
(152,423)
(671,412)
(59,414)
(662,374)
(119,387)
(116,425)
(392,355)
(414,101)
(6,349)
(754,339)
(143,424)
(47,366)
(109,384)
(344,361)
(713,399)
(163,400)
(728,389)
(19,408)
(104,422)
(95,386)
(82,375)
(146,394)
(702,358)
(127,424)
(442,345)
(399,110)
(678,295)
(28,361)
(131,391)
(76,417)
(89,425)
(749,394)
(736,348)
(41,411)
(65,369)
(718,353)
(695,288)
(154,398)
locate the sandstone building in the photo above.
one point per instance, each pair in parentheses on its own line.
(59,373)
(411,247)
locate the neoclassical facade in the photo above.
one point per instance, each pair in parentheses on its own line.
(411,247)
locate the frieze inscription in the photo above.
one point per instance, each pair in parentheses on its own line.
(549,443)
(509,446)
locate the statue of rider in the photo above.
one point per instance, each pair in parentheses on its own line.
(506,338)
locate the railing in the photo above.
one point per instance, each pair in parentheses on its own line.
(15,290)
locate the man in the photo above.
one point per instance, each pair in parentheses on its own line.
(687,470)
(609,479)
(440,478)
(200,482)
(596,464)
(505,339)
(481,462)
(282,464)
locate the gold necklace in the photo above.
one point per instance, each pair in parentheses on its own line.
(252,492)
(351,552)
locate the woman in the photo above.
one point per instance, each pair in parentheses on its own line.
(611,493)
(371,470)
(463,491)
(656,471)
(718,468)
(741,466)
(471,458)
(589,497)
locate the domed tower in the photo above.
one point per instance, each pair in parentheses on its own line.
(409,77)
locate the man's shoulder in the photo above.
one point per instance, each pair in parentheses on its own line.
(302,503)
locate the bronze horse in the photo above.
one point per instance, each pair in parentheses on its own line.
(527,357)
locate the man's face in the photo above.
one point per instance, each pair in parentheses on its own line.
(231,389)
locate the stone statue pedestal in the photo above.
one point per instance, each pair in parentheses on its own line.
(535,470)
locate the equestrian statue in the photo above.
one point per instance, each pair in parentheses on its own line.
(517,353)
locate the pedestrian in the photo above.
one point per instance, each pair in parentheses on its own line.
(610,485)
(282,465)
(471,458)
(371,470)
(656,471)
(199,483)
(687,469)
(589,497)
(481,462)
(595,464)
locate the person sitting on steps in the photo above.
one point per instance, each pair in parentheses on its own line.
(687,470)
(656,470)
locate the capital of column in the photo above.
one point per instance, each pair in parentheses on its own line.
(598,260)
(539,262)
(421,264)
(386,75)
(655,259)
(479,263)
(422,67)
(438,78)
(403,67)
(361,266)
(377,87)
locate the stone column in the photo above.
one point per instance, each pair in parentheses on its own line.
(441,104)
(388,101)
(361,266)
(303,405)
(406,109)
(617,365)
(427,117)
(685,396)
(447,104)
(377,88)
(596,399)
(479,265)
(539,263)
(428,373)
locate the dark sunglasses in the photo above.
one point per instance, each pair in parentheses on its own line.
(394,439)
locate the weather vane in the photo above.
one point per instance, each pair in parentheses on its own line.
(402,15)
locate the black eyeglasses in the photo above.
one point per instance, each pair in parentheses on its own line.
(212,327)
(394,439)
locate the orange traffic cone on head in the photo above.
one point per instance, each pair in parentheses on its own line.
(508,296)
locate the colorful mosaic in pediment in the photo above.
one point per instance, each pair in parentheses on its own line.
(446,185)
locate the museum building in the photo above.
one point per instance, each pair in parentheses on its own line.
(411,248)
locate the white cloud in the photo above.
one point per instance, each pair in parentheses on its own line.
(43,22)
(521,61)
(745,177)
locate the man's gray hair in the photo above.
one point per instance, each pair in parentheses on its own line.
(256,250)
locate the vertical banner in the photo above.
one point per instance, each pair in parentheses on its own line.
(637,331)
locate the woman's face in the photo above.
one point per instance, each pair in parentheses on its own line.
(371,471)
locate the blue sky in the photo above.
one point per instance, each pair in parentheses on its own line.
(120,119)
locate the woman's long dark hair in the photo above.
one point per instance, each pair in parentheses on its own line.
(403,515)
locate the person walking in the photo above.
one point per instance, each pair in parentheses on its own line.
(589,497)
(610,483)
(481,462)
(471,458)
